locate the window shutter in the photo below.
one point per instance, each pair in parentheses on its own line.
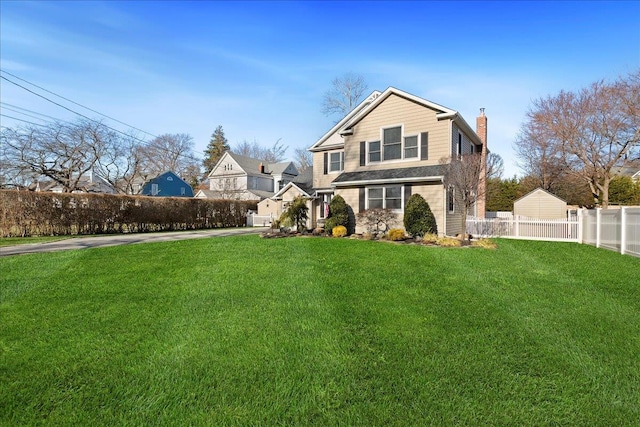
(363,153)
(424,146)
(361,199)
(326,163)
(407,193)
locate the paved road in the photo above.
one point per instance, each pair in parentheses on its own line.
(123,239)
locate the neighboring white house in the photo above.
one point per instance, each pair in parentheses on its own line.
(245,178)
(540,204)
(88,183)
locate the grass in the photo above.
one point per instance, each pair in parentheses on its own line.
(307,331)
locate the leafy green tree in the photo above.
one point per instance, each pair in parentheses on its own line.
(623,191)
(501,193)
(418,218)
(216,148)
(297,213)
(338,214)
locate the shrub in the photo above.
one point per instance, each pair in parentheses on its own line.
(396,234)
(330,224)
(297,213)
(449,242)
(339,231)
(338,213)
(484,243)
(430,238)
(418,218)
(339,210)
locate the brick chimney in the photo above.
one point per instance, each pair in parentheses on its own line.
(261,168)
(481,130)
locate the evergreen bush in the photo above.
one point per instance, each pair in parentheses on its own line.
(418,218)
(338,214)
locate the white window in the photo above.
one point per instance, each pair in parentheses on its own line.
(154,189)
(169,178)
(336,161)
(182,191)
(395,146)
(392,143)
(374,151)
(411,147)
(450,199)
(388,197)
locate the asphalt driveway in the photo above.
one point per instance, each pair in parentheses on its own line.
(123,239)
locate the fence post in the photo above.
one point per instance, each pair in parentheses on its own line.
(517,225)
(580,219)
(623,226)
(598,210)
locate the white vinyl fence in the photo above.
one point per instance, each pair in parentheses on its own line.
(254,220)
(614,229)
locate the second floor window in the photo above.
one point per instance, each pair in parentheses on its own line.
(336,161)
(395,146)
(392,143)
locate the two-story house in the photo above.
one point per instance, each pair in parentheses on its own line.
(389,147)
(245,178)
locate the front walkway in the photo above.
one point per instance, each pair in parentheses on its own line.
(124,239)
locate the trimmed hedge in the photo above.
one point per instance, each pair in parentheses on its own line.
(26,213)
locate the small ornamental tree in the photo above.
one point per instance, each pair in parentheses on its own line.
(377,220)
(418,218)
(298,213)
(338,214)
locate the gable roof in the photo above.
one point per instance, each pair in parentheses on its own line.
(306,192)
(442,112)
(390,176)
(536,191)
(368,100)
(251,166)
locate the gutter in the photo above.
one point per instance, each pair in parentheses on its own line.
(387,181)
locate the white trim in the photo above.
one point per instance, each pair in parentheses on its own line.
(357,110)
(286,188)
(385,181)
(384,196)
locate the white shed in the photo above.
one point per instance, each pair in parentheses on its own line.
(540,204)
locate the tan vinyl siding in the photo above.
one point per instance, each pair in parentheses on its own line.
(432,193)
(466,142)
(541,205)
(414,119)
(320,180)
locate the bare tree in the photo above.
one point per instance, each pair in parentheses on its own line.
(462,177)
(591,131)
(121,164)
(345,94)
(303,159)
(62,152)
(274,154)
(172,152)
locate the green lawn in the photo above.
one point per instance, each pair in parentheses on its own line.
(311,331)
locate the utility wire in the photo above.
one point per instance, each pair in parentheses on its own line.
(21,120)
(8,106)
(75,112)
(76,103)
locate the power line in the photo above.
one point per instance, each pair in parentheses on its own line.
(20,120)
(76,103)
(79,114)
(7,105)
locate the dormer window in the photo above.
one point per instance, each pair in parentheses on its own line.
(169,178)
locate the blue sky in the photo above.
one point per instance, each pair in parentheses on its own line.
(260,69)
